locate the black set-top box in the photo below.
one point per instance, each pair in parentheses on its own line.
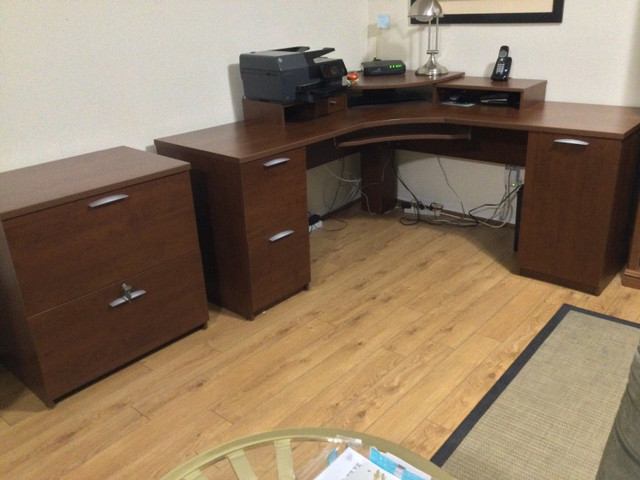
(289,75)
(383,67)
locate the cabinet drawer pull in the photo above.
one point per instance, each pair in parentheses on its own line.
(128,296)
(281,235)
(107,200)
(275,161)
(571,141)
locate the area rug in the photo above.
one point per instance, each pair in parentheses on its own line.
(549,415)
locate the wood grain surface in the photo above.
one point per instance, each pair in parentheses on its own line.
(402,332)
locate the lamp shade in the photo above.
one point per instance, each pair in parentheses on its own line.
(425,10)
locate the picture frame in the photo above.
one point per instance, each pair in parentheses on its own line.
(500,11)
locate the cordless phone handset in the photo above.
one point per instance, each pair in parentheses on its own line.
(503,65)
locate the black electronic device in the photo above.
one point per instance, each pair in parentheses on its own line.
(289,75)
(383,67)
(500,98)
(503,65)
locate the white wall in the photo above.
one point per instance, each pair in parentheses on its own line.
(588,58)
(81,75)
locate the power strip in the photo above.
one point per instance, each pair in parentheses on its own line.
(432,211)
(424,213)
(315,226)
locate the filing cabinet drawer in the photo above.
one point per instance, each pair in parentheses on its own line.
(62,252)
(86,338)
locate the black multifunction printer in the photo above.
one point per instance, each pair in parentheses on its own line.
(289,75)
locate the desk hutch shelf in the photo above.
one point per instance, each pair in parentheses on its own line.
(520,93)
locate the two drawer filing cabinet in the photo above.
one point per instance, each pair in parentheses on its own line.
(99,265)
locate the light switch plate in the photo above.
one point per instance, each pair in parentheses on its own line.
(383,21)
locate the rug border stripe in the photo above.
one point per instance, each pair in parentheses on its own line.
(454,440)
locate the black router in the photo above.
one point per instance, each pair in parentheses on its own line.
(383,67)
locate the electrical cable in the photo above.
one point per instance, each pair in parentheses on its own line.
(459,221)
(335,195)
(395,170)
(446,179)
(503,210)
(349,197)
(384,168)
(343,225)
(505,201)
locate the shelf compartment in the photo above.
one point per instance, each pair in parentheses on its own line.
(520,93)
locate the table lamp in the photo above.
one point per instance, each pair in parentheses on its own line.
(426,11)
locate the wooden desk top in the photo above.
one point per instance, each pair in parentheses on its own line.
(247,141)
(408,79)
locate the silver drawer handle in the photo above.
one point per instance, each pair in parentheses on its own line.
(107,200)
(275,161)
(281,235)
(571,141)
(128,296)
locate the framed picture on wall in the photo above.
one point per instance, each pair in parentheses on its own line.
(500,11)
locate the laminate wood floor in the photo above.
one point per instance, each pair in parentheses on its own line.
(403,330)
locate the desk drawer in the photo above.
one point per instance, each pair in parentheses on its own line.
(276,227)
(275,191)
(280,264)
(84,339)
(70,250)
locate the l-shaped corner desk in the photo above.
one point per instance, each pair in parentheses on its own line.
(249,177)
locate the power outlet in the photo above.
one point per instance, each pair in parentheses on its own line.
(514,175)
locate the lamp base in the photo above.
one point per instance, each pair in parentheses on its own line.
(432,68)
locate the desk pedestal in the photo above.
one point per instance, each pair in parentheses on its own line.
(576,209)
(379,183)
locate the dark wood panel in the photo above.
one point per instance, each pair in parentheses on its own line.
(49,184)
(484,144)
(570,212)
(275,199)
(497,135)
(326,151)
(86,338)
(379,182)
(222,229)
(527,92)
(248,141)
(16,346)
(87,248)
(275,195)
(631,275)
(279,268)
(239,206)
(622,215)
(60,253)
